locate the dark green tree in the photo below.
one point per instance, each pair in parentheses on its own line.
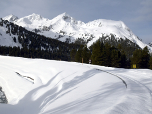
(145,58)
(115,58)
(150,63)
(73,54)
(106,55)
(85,55)
(96,56)
(123,60)
(137,58)
(78,56)
(141,58)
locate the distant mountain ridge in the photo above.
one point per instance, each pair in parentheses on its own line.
(67,29)
(11,18)
(150,44)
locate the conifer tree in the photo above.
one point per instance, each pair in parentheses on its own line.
(115,58)
(96,56)
(123,60)
(150,63)
(78,56)
(106,55)
(72,54)
(141,58)
(137,58)
(145,58)
(85,55)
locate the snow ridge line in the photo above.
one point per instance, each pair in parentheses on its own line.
(114,75)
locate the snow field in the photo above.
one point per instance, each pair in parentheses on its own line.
(72,88)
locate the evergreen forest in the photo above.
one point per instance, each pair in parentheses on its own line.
(105,54)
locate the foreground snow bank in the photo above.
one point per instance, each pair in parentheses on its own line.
(58,87)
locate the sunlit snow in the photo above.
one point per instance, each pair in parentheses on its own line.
(37,86)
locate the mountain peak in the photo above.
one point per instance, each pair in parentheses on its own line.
(35,17)
(66,18)
(34,14)
(63,16)
(11,18)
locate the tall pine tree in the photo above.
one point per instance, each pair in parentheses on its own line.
(96,56)
(86,54)
(145,58)
(150,63)
(78,56)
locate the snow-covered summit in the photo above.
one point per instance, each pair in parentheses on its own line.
(107,27)
(67,18)
(104,22)
(31,22)
(65,27)
(11,18)
(66,23)
(34,17)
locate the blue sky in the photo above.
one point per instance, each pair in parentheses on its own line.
(136,14)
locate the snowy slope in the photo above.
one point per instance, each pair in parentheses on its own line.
(65,27)
(32,21)
(11,18)
(117,28)
(7,39)
(150,44)
(72,88)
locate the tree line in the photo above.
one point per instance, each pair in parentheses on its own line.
(105,54)
(142,58)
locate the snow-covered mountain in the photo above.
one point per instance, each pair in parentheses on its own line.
(150,44)
(64,27)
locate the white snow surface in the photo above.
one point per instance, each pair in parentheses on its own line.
(7,39)
(58,87)
(69,27)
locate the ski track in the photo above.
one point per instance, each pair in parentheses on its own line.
(143,97)
(115,75)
